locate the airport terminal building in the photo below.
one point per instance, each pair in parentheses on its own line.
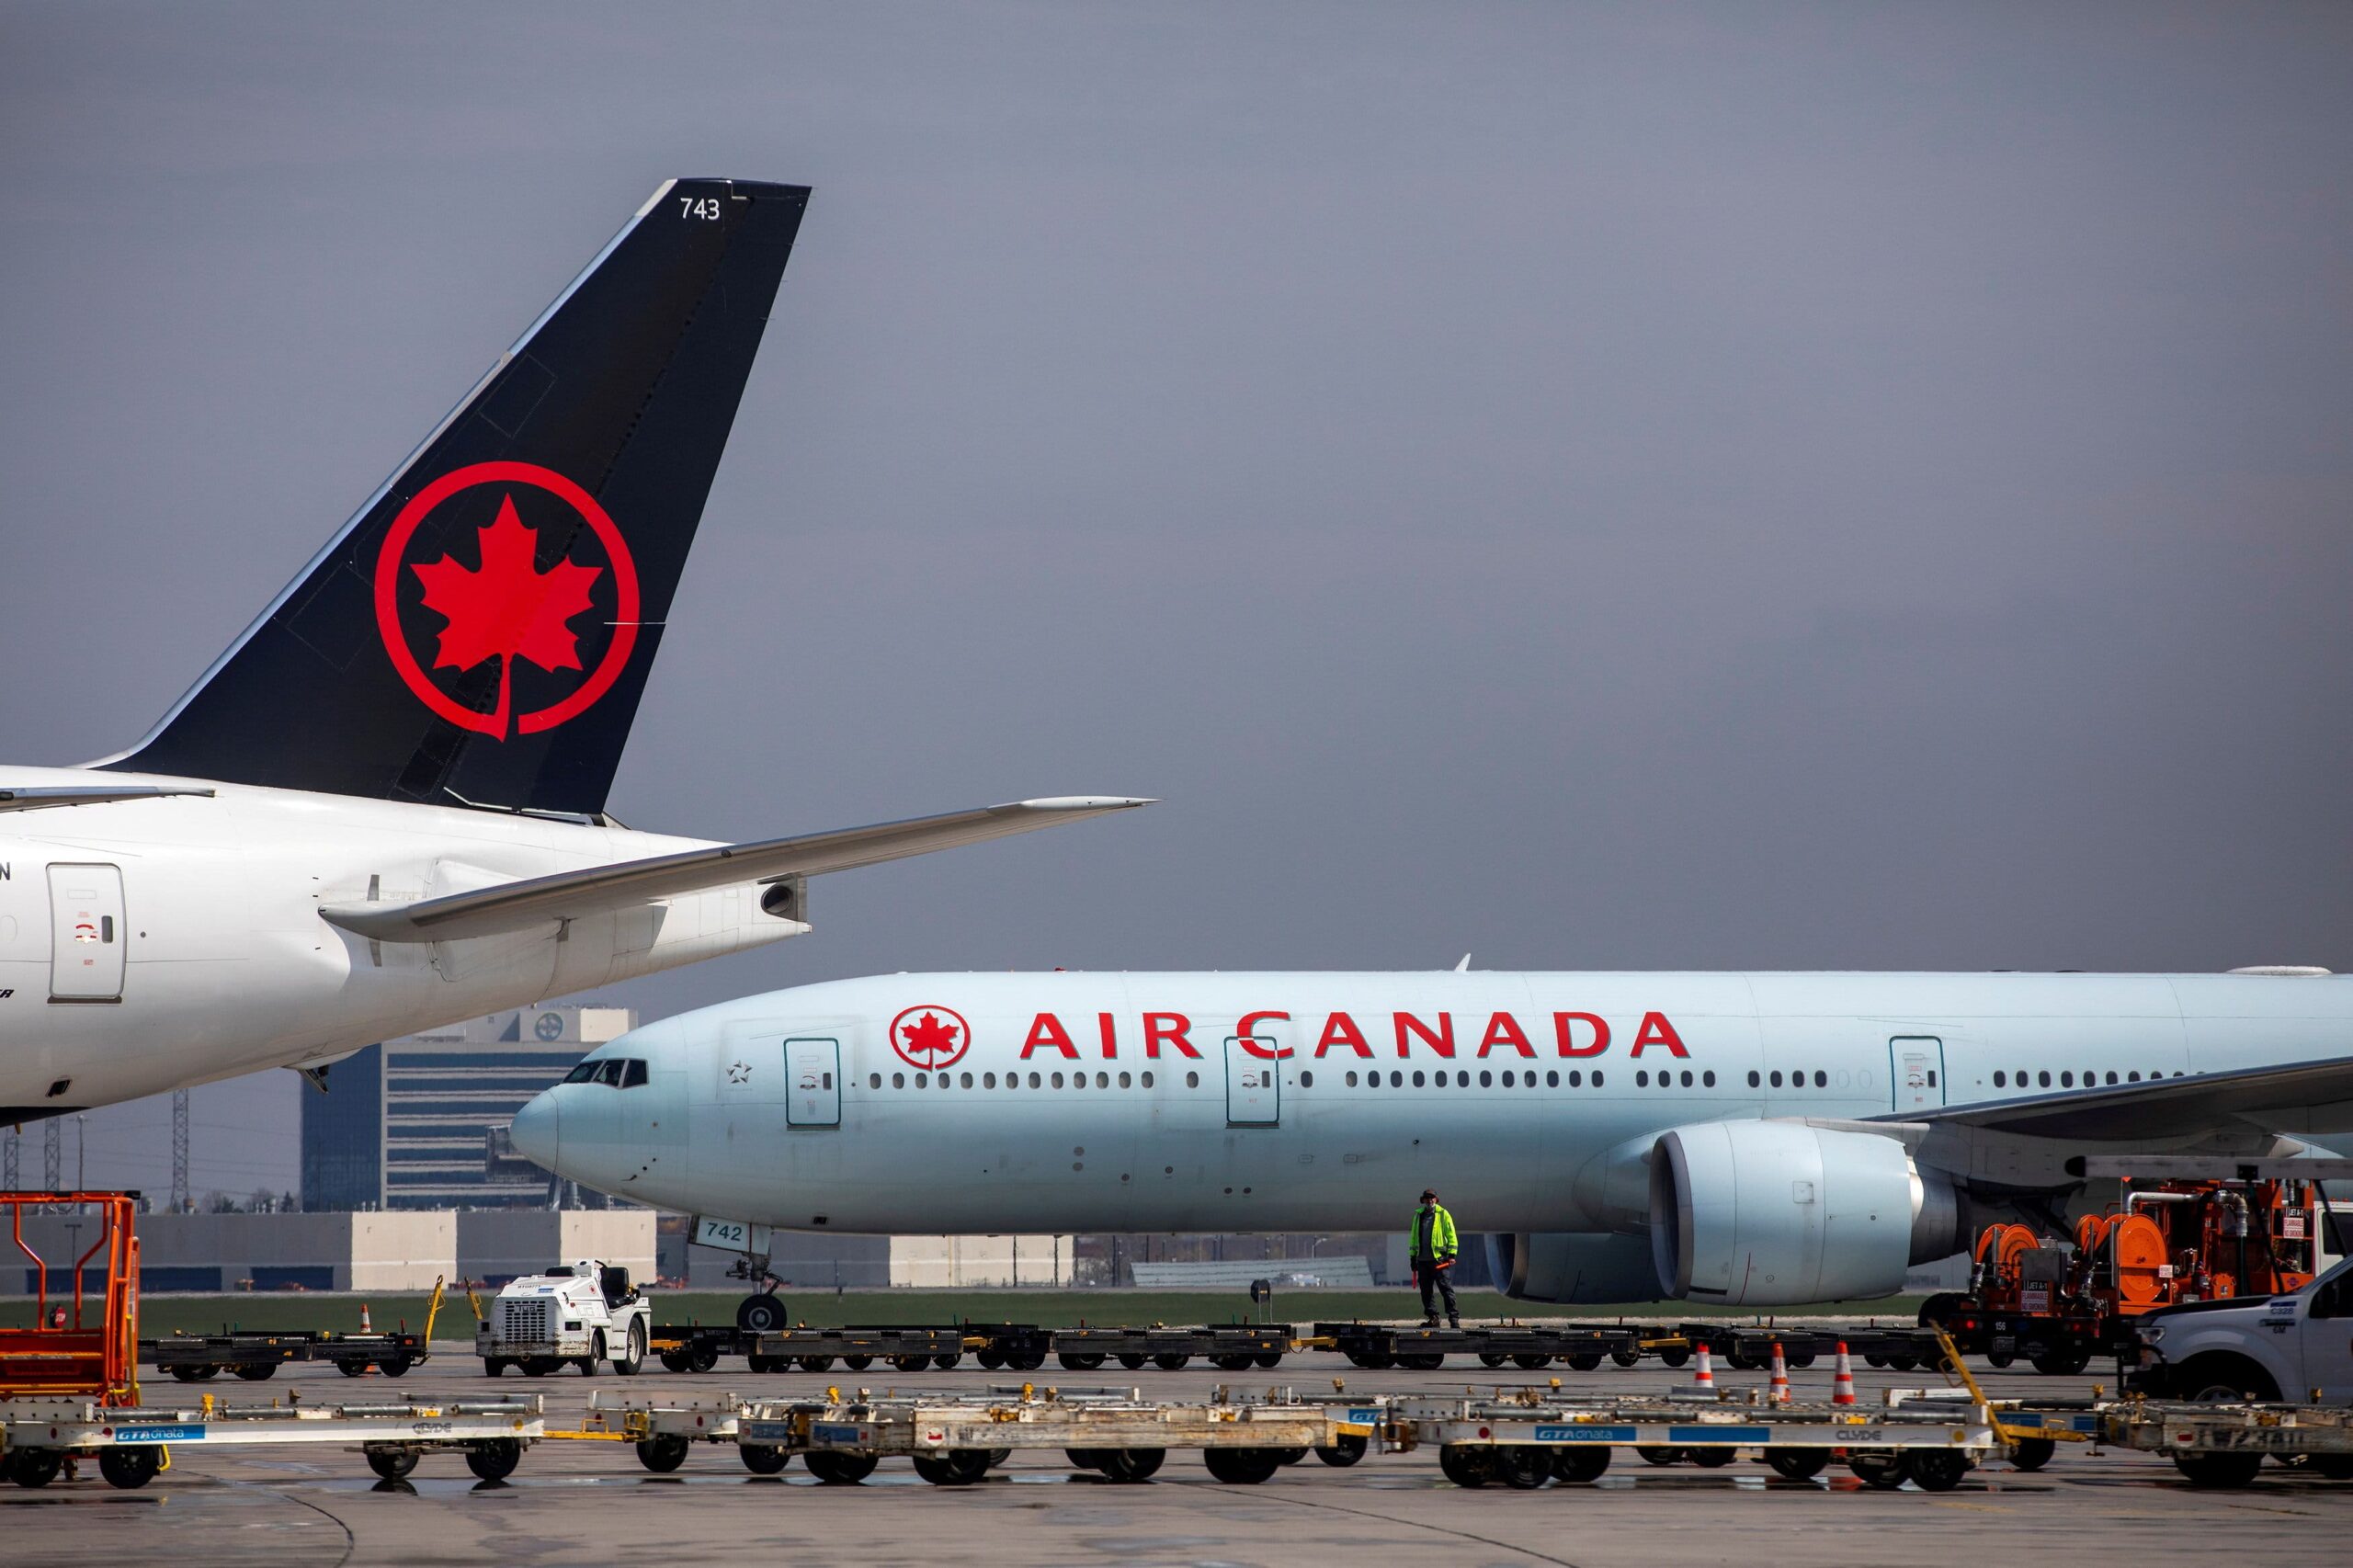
(420,1122)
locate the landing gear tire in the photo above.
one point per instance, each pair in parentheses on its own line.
(632,1356)
(836,1469)
(663,1454)
(763,1314)
(393,1464)
(1798,1464)
(496,1459)
(765,1458)
(1581,1463)
(1346,1449)
(129,1466)
(1240,1466)
(1885,1469)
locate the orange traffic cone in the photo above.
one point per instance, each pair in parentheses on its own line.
(1778,1392)
(1842,1386)
(1704,1380)
(364,1327)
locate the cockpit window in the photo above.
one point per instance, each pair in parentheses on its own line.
(613,1071)
(632,1074)
(583,1073)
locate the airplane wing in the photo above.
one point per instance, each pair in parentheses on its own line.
(2301,1097)
(536,900)
(34,797)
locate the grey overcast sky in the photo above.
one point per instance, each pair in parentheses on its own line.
(1590,486)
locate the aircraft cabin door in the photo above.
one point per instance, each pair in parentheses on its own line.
(1916,1068)
(86,937)
(812,1072)
(1254,1086)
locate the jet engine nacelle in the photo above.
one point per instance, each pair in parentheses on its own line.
(1774,1214)
(1553,1266)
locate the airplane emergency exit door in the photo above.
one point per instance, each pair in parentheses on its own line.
(86,937)
(813,1070)
(1917,1067)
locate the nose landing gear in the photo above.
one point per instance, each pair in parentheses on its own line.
(763,1311)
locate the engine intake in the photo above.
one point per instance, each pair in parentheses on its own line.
(1775,1213)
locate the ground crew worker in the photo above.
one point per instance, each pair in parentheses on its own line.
(1431,1246)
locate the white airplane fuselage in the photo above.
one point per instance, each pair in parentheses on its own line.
(150,944)
(1295,1101)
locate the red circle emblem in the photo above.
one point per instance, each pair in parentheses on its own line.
(505,607)
(930,1038)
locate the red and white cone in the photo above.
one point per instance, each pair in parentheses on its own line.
(1842,1386)
(1778,1392)
(365,1327)
(1704,1380)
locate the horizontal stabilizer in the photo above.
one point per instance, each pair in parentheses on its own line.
(570,896)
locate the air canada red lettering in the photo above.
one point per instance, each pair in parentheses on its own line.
(1570,1045)
(1047,1031)
(1341,1029)
(1167,1028)
(1503,1029)
(1246,1031)
(1440,1040)
(1656,1030)
(1110,1035)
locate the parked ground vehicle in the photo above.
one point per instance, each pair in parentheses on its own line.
(577,1314)
(2293,1347)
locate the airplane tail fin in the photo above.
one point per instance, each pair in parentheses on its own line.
(481,632)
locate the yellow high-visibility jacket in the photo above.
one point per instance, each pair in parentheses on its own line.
(1442,1246)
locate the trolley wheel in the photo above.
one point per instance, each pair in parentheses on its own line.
(1346,1449)
(2064,1362)
(2032,1453)
(184,1374)
(1675,1356)
(702,1359)
(1798,1464)
(1132,1362)
(911,1363)
(1270,1358)
(956,1467)
(1492,1358)
(858,1363)
(36,1467)
(765,1458)
(492,1366)
(1795,1357)
(1025,1360)
(836,1468)
(994,1360)
(661,1454)
(1173,1361)
(997,1456)
(1584,1362)
(1377,1360)
(2217,1471)
(1900,1362)
(1873,1359)
(1584,1462)
(1129,1466)
(1660,1453)
(269,1369)
(1231,1363)
(1523,1467)
(1240,1466)
(2333,1467)
(129,1466)
(1530,1363)
(816,1363)
(672,1362)
(626,1364)
(1626,1357)
(1740,1360)
(948,1363)
(1883,1467)
(1714,1457)
(1422,1360)
(393,1464)
(494,1459)
(392,1366)
(352,1369)
(767,1365)
(1465,1464)
(1073,1360)
(1939,1470)
(763,1314)
(1998,1359)
(1289,1456)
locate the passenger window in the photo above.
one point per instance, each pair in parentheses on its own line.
(1351,1079)
(1687,1078)
(1487,1079)
(1056,1079)
(1776,1077)
(965,1079)
(1417,1079)
(1102,1080)
(1507,1079)
(898,1080)
(1820,1079)
(1577,1078)
(2046,1077)
(988,1080)
(634,1074)
(1643,1079)
(1753,1081)
(1552,1080)
(2133,1076)
(2066,1080)
(874,1080)
(923,1080)
(1306,1078)
(1147,1079)
(1192,1080)
(1123,1080)
(1998,1077)
(1708,1079)
(1397,1080)
(1596,1077)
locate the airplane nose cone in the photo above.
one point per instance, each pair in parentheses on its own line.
(537,1129)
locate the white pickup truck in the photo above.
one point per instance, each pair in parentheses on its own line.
(579,1314)
(2298,1347)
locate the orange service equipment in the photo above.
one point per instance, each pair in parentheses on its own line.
(91,1350)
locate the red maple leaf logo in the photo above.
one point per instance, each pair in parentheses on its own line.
(930,1038)
(506,609)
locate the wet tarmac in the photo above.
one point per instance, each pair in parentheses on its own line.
(578,1503)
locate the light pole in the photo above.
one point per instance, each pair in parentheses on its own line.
(81,1153)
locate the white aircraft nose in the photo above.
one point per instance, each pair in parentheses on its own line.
(537,1133)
